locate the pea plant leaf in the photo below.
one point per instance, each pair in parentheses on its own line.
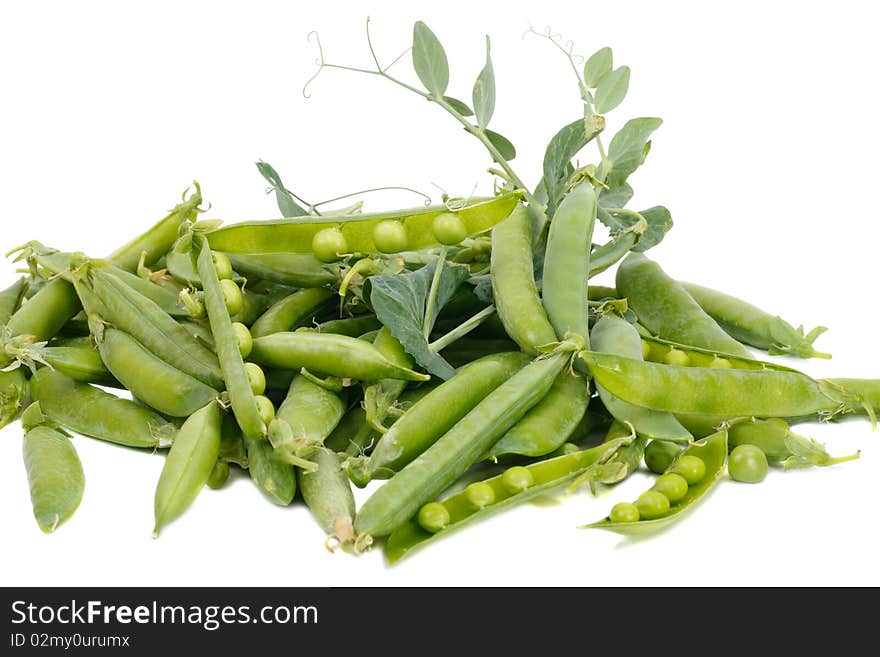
(658,218)
(598,66)
(611,89)
(429,60)
(628,149)
(616,197)
(484,91)
(502,143)
(458,106)
(564,145)
(286,203)
(400,300)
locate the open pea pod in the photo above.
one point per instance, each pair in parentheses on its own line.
(658,351)
(713,452)
(295,235)
(466,507)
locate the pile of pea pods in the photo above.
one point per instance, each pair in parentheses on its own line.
(454,358)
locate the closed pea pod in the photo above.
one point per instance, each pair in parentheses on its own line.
(275,480)
(81,363)
(355,327)
(54,471)
(149,378)
(460,447)
(513,283)
(10,298)
(13,393)
(336,355)
(312,412)
(93,412)
(327,493)
(188,464)
(296,269)
(296,310)
(780,445)
(241,396)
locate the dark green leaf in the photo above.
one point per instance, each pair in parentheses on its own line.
(502,143)
(562,148)
(458,106)
(611,89)
(628,149)
(399,301)
(286,204)
(484,91)
(483,288)
(616,197)
(598,65)
(429,60)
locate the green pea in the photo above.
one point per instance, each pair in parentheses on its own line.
(449,229)
(390,236)
(652,504)
(480,494)
(659,455)
(624,512)
(244,338)
(222,265)
(265,408)
(719,362)
(232,296)
(672,485)
(677,357)
(692,468)
(433,517)
(256,377)
(517,479)
(748,464)
(329,244)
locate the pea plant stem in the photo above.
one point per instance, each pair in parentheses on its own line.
(462,329)
(430,310)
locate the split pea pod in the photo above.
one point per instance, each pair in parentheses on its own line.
(614,335)
(666,309)
(241,395)
(312,413)
(149,378)
(751,325)
(327,493)
(188,464)
(435,414)
(379,396)
(780,445)
(567,263)
(513,283)
(336,355)
(447,459)
(90,411)
(13,393)
(294,311)
(54,472)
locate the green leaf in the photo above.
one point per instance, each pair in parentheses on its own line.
(611,89)
(286,204)
(598,65)
(458,106)
(616,197)
(484,91)
(502,143)
(562,148)
(628,149)
(399,301)
(658,218)
(429,60)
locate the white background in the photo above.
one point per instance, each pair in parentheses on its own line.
(767,160)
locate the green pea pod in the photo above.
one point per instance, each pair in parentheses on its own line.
(466,507)
(336,355)
(294,269)
(780,445)
(81,363)
(550,423)
(167,298)
(296,310)
(327,493)
(241,396)
(353,434)
(188,465)
(10,299)
(435,414)
(379,396)
(751,325)
(54,471)
(513,283)
(610,253)
(275,480)
(312,412)
(601,292)
(460,447)
(864,393)
(149,378)
(667,310)
(713,452)
(614,335)
(466,350)
(13,393)
(658,351)
(567,263)
(90,411)
(232,448)
(722,392)
(351,326)
(253,305)
(295,234)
